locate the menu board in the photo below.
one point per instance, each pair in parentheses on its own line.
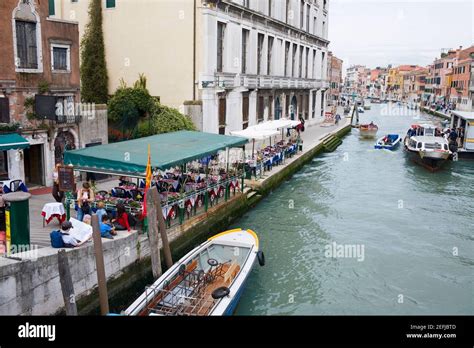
(66,178)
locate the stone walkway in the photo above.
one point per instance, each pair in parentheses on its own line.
(39,235)
(312,136)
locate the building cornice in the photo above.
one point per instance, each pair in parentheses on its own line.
(243,12)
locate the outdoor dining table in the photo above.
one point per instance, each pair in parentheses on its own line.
(53,210)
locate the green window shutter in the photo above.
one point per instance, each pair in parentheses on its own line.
(110,4)
(52,12)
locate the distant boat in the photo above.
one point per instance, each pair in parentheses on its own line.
(208,281)
(388,142)
(360,109)
(425,148)
(368,130)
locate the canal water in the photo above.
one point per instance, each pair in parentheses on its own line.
(404,237)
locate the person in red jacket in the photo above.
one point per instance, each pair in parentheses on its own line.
(121,222)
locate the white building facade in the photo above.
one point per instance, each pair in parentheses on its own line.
(229,64)
(263,60)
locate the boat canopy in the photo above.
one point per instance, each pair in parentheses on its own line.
(167,150)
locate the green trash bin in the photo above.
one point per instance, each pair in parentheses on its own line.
(17,221)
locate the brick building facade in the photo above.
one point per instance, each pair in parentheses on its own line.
(39,89)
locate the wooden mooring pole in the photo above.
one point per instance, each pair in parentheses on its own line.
(162,227)
(99,261)
(152,212)
(67,286)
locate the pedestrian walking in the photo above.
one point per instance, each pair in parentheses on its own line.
(57,194)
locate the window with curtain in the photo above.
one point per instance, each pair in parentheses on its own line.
(27,50)
(269,55)
(261,38)
(60,58)
(245,40)
(220,46)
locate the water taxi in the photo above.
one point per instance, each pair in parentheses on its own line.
(426,148)
(208,281)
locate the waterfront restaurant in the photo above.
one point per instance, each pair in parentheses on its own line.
(187,170)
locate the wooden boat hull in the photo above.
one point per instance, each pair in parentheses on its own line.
(368,133)
(186,288)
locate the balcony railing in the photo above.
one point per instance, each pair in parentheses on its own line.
(68,119)
(233,80)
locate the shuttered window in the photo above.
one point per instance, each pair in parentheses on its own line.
(222,115)
(110,3)
(4,111)
(260,109)
(27,51)
(270,108)
(52,11)
(245,110)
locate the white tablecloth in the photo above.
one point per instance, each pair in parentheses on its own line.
(53,209)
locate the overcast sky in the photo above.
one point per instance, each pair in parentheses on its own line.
(380,32)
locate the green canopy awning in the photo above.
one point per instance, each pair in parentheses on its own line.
(167,150)
(13,141)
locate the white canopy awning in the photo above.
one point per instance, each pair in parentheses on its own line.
(255,134)
(276,124)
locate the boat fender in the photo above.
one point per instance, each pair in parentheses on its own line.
(261,258)
(221,292)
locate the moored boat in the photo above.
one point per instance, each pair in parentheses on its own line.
(208,281)
(368,130)
(426,148)
(388,142)
(360,109)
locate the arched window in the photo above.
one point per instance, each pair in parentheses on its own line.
(27,37)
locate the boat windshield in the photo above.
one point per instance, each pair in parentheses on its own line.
(429,132)
(435,146)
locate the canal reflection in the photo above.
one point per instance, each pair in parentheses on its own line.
(415,228)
